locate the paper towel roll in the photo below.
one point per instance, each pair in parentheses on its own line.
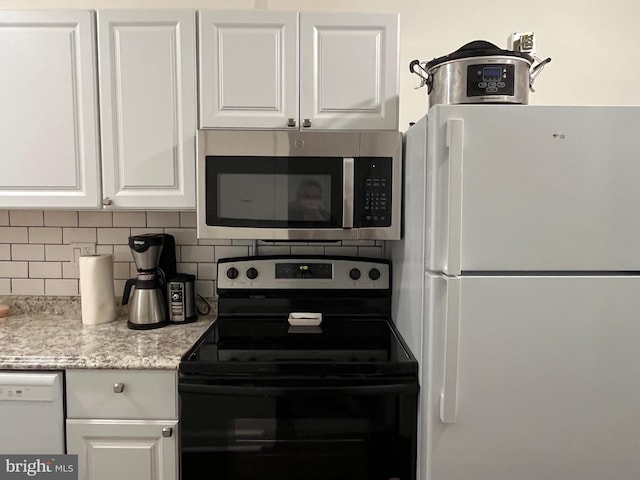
(97,295)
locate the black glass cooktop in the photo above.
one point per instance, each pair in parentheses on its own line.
(336,346)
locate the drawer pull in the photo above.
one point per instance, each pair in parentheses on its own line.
(167,432)
(118,387)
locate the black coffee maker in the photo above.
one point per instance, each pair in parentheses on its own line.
(155,258)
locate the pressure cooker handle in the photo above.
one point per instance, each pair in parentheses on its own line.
(535,71)
(425,80)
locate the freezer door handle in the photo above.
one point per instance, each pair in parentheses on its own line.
(449,396)
(455,143)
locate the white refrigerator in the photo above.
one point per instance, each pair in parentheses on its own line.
(517,286)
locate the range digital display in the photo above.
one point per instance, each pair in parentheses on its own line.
(304,270)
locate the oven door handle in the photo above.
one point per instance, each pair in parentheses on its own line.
(237,390)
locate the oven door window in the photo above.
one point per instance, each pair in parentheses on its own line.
(293,433)
(274,192)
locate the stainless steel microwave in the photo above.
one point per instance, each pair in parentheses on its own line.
(280,185)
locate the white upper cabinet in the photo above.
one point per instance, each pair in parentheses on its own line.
(269,69)
(49,148)
(248,68)
(349,71)
(147,64)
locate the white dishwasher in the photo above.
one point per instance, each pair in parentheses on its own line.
(31,413)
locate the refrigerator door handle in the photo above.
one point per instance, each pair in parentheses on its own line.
(455,144)
(449,396)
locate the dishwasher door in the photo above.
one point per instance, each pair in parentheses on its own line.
(31,413)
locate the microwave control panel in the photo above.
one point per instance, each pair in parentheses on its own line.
(373,182)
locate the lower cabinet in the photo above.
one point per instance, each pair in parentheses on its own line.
(123,424)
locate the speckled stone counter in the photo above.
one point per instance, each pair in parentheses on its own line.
(45,333)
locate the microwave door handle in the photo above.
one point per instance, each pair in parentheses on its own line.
(347,192)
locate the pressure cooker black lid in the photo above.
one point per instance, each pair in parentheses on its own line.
(477,48)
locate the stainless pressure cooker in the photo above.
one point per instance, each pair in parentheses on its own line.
(479,72)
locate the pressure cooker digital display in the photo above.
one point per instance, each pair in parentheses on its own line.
(494,79)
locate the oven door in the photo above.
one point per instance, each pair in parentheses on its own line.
(298,429)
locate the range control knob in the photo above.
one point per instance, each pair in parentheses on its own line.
(252,273)
(374,274)
(232,273)
(354,274)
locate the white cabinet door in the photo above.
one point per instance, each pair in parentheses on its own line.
(248,69)
(125,449)
(49,149)
(349,71)
(147,62)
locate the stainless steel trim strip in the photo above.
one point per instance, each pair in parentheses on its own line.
(347,192)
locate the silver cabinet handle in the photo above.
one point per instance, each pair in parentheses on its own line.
(107,202)
(167,432)
(291,122)
(118,387)
(306,123)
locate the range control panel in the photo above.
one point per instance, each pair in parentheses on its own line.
(490,79)
(303,273)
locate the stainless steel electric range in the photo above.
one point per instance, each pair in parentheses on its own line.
(302,376)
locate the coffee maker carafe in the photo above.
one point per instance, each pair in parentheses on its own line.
(155,258)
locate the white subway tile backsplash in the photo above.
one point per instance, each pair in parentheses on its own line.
(188,219)
(341,251)
(30,286)
(113,236)
(121,270)
(163,219)
(45,269)
(274,250)
(14,235)
(104,249)
(183,236)
(14,269)
(302,250)
(206,271)
(95,219)
(45,235)
(80,235)
(197,254)
(212,242)
(61,287)
(129,219)
(206,288)
(118,286)
(190,268)
(372,252)
(142,231)
(27,252)
(26,218)
(35,253)
(122,253)
(70,271)
(60,219)
(57,253)
(226,252)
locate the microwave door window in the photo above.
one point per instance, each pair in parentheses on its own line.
(274,192)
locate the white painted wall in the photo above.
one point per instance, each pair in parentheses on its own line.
(591,42)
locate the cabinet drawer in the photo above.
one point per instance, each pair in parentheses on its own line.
(145,394)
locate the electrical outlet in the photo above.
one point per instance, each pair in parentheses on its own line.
(523,42)
(78,249)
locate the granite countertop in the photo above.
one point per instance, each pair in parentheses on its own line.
(48,333)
